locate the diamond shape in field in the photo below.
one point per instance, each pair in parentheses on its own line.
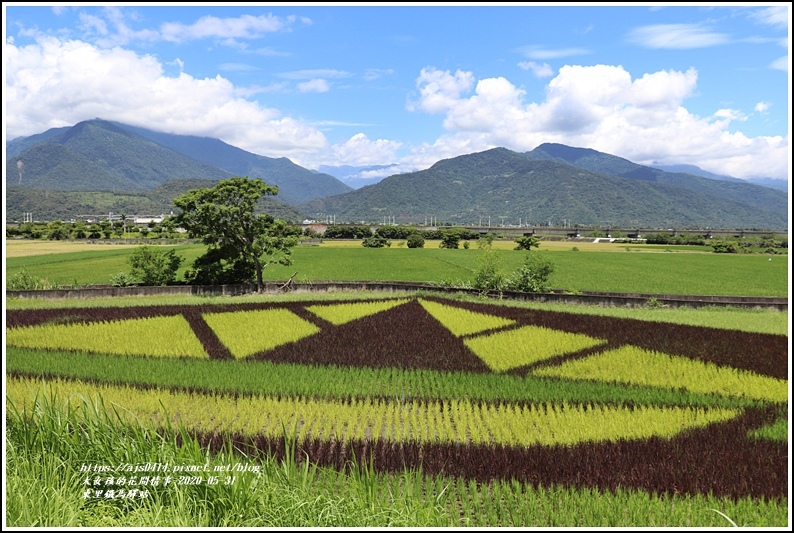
(637,366)
(462,321)
(161,336)
(343,313)
(505,350)
(248,332)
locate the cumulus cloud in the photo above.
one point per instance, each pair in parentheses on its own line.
(676,36)
(600,107)
(361,151)
(440,90)
(56,84)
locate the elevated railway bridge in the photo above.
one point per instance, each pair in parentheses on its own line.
(629,232)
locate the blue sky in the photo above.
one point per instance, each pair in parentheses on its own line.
(408,85)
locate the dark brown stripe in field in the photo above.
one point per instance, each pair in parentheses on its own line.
(719,459)
(212,344)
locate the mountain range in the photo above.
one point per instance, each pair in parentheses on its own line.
(99,166)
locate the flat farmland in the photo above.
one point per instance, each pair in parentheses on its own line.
(638,270)
(458,412)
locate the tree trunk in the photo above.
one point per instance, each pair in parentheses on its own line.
(260,285)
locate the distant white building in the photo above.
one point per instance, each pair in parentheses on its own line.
(148,219)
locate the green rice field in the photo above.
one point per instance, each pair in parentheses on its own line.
(612,271)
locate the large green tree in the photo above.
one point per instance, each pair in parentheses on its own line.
(241,242)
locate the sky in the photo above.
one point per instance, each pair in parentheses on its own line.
(406,85)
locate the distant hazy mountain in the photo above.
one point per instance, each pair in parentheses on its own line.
(556,183)
(357,177)
(781,185)
(99,155)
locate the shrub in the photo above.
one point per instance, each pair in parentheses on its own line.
(725,247)
(527,242)
(375,242)
(155,267)
(122,279)
(415,240)
(488,276)
(24,281)
(533,275)
(450,239)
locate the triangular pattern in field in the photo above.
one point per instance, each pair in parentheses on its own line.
(338,314)
(462,321)
(505,350)
(405,336)
(630,364)
(160,336)
(248,332)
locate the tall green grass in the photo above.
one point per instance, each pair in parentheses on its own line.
(48,444)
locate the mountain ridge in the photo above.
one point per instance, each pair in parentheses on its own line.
(552,183)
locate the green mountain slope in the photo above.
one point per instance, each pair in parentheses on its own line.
(732,190)
(50,204)
(507,186)
(99,156)
(296,184)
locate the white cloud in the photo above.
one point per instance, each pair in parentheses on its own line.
(729,115)
(243,27)
(440,90)
(112,29)
(773,16)
(360,151)
(676,36)
(762,107)
(600,107)
(540,71)
(317,85)
(54,84)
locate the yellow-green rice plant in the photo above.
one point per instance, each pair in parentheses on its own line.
(631,364)
(462,321)
(256,415)
(162,336)
(247,332)
(338,314)
(513,348)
